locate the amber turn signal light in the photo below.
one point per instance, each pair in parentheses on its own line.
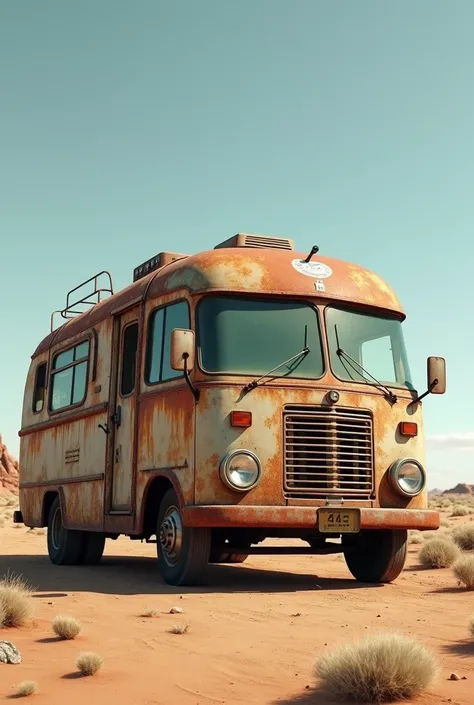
(241,419)
(408,428)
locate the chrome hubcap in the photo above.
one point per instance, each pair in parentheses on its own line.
(171,536)
(56,528)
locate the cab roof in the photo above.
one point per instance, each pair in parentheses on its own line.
(241,269)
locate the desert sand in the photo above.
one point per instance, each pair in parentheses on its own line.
(255,629)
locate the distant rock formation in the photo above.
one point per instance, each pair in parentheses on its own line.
(461,488)
(9,475)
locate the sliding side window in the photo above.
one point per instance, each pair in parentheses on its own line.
(69,377)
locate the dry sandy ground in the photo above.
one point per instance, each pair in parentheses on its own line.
(245,644)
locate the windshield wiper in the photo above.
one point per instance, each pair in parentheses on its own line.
(256,382)
(342,353)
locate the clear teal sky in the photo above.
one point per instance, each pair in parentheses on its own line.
(127,128)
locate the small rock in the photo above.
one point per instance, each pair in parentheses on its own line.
(464,678)
(176,610)
(454,677)
(379,615)
(296,614)
(50,603)
(9,653)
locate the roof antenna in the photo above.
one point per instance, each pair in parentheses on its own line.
(314,250)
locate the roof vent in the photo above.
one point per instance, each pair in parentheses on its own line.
(155,263)
(257,241)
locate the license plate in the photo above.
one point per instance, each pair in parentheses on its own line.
(338,521)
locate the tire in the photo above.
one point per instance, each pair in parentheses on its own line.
(377,556)
(92,547)
(64,545)
(183,552)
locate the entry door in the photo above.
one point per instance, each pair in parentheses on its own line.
(123,418)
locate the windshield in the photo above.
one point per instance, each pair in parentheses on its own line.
(252,336)
(375,342)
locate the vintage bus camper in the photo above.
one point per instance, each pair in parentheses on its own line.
(223,398)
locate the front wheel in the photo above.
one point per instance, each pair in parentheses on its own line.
(376,556)
(183,552)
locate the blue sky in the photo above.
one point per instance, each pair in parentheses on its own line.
(131,128)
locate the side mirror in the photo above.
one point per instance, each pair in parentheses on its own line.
(436,374)
(182,350)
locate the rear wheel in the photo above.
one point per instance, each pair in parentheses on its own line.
(376,556)
(93,547)
(183,552)
(64,545)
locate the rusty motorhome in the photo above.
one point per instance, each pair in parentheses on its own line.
(223,398)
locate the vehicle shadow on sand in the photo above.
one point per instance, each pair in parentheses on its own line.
(308,697)
(134,575)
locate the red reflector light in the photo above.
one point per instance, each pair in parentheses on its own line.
(408,428)
(242,419)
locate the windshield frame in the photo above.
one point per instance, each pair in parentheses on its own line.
(376,314)
(270,299)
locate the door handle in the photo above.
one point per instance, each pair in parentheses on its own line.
(117,417)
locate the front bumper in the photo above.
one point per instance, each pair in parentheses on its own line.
(224,516)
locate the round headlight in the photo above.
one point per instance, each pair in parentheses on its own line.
(407,477)
(240,470)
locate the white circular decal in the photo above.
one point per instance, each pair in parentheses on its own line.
(317,270)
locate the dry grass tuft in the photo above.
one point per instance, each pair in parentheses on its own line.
(26,688)
(470,626)
(445,523)
(380,668)
(464,536)
(460,510)
(15,601)
(415,537)
(88,663)
(66,627)
(463,569)
(438,553)
(150,613)
(180,629)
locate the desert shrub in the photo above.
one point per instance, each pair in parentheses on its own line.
(464,536)
(180,629)
(438,553)
(66,627)
(415,537)
(445,523)
(470,626)
(15,601)
(26,688)
(463,569)
(379,668)
(460,510)
(89,663)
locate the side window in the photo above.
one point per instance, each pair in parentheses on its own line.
(40,386)
(377,358)
(129,359)
(69,377)
(160,325)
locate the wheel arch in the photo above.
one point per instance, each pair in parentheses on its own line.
(154,492)
(48,499)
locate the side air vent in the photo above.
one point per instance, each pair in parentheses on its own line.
(257,241)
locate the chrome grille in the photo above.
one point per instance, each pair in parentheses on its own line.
(328,452)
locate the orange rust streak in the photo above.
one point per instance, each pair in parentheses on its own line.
(304,518)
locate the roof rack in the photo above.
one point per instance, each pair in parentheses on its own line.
(91,299)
